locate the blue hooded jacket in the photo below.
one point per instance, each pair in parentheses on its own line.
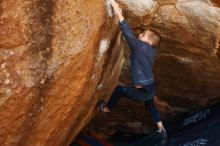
(142,57)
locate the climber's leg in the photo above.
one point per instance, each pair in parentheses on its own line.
(156,118)
(129,92)
(149,104)
(119,91)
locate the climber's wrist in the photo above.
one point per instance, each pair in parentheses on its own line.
(121,18)
(118,13)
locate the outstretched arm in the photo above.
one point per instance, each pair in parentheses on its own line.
(123,24)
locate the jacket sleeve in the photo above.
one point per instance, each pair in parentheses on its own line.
(128,34)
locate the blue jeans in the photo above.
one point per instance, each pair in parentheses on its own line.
(145,95)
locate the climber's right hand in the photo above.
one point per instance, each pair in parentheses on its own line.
(116,7)
(117,10)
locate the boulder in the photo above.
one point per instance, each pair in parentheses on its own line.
(57,59)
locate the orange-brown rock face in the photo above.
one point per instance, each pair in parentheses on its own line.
(56,58)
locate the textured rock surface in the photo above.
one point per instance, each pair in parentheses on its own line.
(55,57)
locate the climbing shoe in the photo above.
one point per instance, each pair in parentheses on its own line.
(164,136)
(101,104)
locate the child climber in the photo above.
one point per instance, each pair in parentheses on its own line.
(142,58)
